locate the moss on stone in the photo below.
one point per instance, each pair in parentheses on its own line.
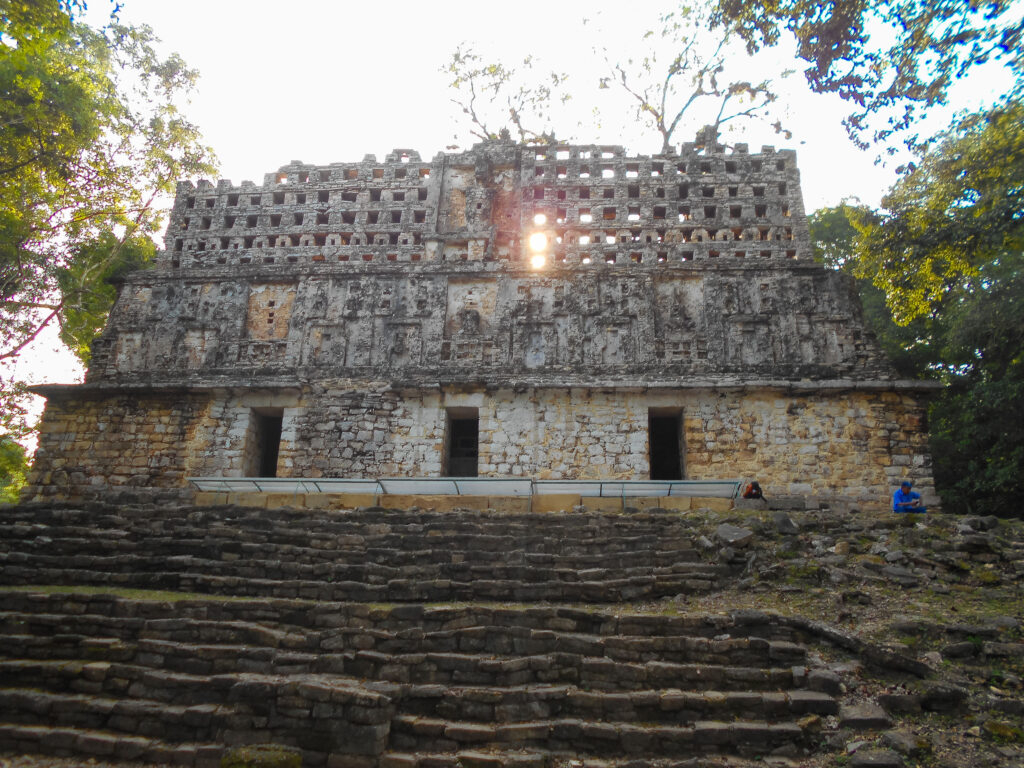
(262,756)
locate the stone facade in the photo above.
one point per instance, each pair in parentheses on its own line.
(356,313)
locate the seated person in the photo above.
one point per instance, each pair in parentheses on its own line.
(906,500)
(753,491)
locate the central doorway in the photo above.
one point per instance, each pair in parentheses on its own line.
(462,436)
(665,435)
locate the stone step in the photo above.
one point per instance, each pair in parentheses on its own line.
(387,569)
(437,590)
(289,623)
(471,758)
(541,530)
(115,678)
(41,636)
(182,670)
(491,533)
(407,548)
(512,757)
(20,738)
(27,515)
(673,706)
(139,717)
(320,713)
(413,733)
(555,668)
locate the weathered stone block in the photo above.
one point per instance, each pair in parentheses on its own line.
(555,502)
(601,503)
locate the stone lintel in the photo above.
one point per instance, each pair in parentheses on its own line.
(66,391)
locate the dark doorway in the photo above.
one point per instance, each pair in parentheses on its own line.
(665,433)
(463,436)
(266,441)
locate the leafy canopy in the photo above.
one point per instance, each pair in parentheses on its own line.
(941,277)
(13,469)
(91,139)
(961,207)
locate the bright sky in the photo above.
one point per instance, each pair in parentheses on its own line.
(332,80)
(325,81)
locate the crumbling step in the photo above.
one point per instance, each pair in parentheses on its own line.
(588,737)
(284,566)
(205,643)
(437,590)
(140,717)
(62,741)
(559,668)
(169,671)
(172,517)
(278,561)
(99,677)
(295,624)
(505,640)
(512,757)
(68,629)
(524,703)
(202,523)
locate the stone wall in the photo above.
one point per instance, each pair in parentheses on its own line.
(561,326)
(88,446)
(843,445)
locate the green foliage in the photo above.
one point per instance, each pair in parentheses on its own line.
(262,756)
(88,285)
(91,137)
(947,256)
(928,47)
(977,425)
(961,207)
(911,348)
(13,469)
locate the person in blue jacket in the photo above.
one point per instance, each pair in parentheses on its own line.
(906,500)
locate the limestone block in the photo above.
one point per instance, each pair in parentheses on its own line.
(209,498)
(602,503)
(350,500)
(284,500)
(438,503)
(510,505)
(675,503)
(555,502)
(247,499)
(714,504)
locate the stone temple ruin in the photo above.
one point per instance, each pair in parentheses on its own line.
(511,311)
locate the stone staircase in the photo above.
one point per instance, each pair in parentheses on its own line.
(365,556)
(319,632)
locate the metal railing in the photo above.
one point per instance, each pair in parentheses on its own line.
(472,486)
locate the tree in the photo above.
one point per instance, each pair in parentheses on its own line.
(960,207)
(694,85)
(891,86)
(91,137)
(911,348)
(947,256)
(977,425)
(496,96)
(13,469)
(685,79)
